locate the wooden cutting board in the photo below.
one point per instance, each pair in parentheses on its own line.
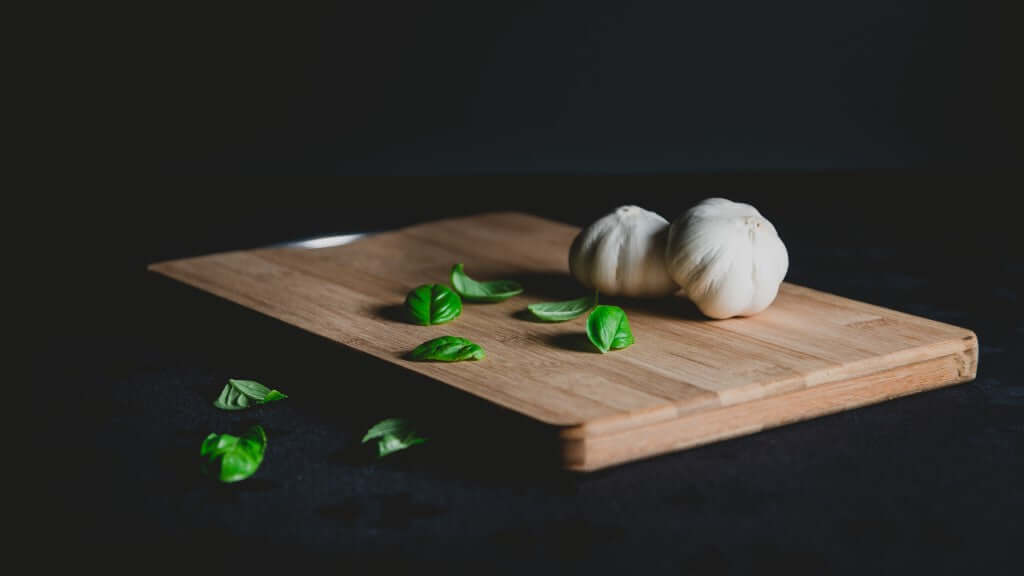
(686,381)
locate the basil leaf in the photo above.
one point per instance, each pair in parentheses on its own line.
(447,349)
(432,304)
(241,394)
(608,328)
(562,311)
(233,458)
(392,435)
(385,427)
(494,291)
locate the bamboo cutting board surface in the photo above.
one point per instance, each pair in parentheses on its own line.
(686,381)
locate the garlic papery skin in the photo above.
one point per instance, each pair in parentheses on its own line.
(728,258)
(623,254)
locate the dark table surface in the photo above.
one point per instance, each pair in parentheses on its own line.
(929,482)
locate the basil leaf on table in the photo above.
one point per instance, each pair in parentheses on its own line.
(448,349)
(474,291)
(432,304)
(392,435)
(242,394)
(608,328)
(233,458)
(562,311)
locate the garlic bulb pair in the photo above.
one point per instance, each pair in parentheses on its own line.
(726,257)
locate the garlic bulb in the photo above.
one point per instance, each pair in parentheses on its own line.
(623,253)
(727,257)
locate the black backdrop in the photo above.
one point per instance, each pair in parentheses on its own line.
(551,87)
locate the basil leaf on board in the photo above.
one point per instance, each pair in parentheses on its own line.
(233,458)
(474,291)
(608,328)
(432,304)
(448,349)
(562,311)
(242,394)
(392,435)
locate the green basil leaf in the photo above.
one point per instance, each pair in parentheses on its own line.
(241,394)
(562,311)
(494,291)
(432,304)
(233,458)
(447,349)
(390,444)
(385,427)
(232,398)
(392,435)
(608,328)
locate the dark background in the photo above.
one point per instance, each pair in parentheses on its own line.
(881,138)
(403,87)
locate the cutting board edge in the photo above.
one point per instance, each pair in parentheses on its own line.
(587,453)
(964,342)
